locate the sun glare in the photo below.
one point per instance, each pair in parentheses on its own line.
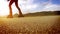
(4,10)
(3,13)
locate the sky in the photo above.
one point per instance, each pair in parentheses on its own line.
(30,6)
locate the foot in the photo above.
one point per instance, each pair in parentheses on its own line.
(9,16)
(20,16)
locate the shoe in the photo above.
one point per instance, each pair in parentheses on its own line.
(20,16)
(9,16)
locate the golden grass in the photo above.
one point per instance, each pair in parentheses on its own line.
(30,25)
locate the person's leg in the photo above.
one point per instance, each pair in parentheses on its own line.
(10,9)
(20,13)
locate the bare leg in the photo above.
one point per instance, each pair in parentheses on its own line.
(10,8)
(20,13)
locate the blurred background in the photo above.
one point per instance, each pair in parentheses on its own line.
(30,6)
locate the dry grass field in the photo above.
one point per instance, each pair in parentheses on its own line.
(30,25)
